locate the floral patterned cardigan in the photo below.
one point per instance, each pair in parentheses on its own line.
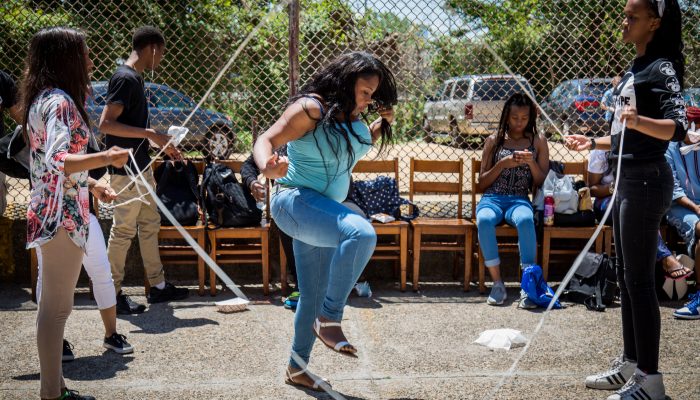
(56,130)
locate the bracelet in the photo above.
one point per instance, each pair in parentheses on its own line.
(592,144)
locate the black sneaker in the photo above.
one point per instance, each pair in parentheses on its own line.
(118,343)
(168,293)
(126,306)
(74,395)
(67,352)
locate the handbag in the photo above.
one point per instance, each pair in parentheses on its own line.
(381,196)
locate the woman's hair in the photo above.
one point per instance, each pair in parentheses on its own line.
(517,100)
(667,41)
(56,59)
(335,83)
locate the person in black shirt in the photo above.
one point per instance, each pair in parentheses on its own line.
(8,101)
(649,100)
(126,124)
(249,174)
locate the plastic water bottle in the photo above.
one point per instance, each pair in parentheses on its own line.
(548,208)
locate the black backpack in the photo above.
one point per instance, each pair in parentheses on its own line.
(226,201)
(14,155)
(595,282)
(176,187)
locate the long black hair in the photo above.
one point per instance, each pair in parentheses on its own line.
(335,84)
(517,100)
(667,41)
(56,59)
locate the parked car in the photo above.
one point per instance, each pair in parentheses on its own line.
(210,132)
(692,97)
(574,106)
(469,105)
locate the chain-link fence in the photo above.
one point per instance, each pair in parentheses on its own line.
(455,61)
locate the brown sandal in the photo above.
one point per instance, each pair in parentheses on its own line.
(340,347)
(316,386)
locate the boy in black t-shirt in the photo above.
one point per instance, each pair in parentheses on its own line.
(126,124)
(8,101)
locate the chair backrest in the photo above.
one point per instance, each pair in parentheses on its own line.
(378,167)
(577,168)
(436,166)
(570,168)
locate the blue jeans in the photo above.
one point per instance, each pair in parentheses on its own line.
(517,212)
(684,221)
(332,246)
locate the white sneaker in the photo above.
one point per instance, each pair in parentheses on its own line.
(615,377)
(641,387)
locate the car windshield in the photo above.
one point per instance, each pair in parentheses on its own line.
(440,94)
(497,89)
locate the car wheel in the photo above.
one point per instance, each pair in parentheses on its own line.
(219,142)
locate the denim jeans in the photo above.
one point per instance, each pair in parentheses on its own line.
(517,212)
(644,195)
(685,222)
(332,246)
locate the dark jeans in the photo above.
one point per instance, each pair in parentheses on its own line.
(643,198)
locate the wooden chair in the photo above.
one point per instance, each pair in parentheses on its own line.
(397,231)
(502,231)
(173,248)
(581,233)
(248,245)
(459,228)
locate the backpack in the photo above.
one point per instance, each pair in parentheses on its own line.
(594,283)
(536,287)
(176,187)
(226,202)
(380,195)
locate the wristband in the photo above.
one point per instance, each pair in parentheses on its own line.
(592,144)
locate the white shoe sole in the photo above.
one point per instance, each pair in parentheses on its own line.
(119,350)
(687,317)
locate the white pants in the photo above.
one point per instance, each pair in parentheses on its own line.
(97,266)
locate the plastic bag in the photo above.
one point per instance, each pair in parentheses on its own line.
(501,339)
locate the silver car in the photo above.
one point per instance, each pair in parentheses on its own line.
(469,105)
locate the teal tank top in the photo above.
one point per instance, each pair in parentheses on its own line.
(314,164)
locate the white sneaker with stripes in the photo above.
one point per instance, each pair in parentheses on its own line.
(641,387)
(615,378)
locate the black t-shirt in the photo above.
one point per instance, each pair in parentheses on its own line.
(126,87)
(8,96)
(652,87)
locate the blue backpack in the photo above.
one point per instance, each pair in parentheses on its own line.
(537,290)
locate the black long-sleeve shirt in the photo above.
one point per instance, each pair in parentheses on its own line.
(250,170)
(651,86)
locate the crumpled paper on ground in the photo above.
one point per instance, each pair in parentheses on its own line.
(501,339)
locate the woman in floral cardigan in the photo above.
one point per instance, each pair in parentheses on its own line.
(54,89)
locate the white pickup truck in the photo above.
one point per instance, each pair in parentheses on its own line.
(469,105)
